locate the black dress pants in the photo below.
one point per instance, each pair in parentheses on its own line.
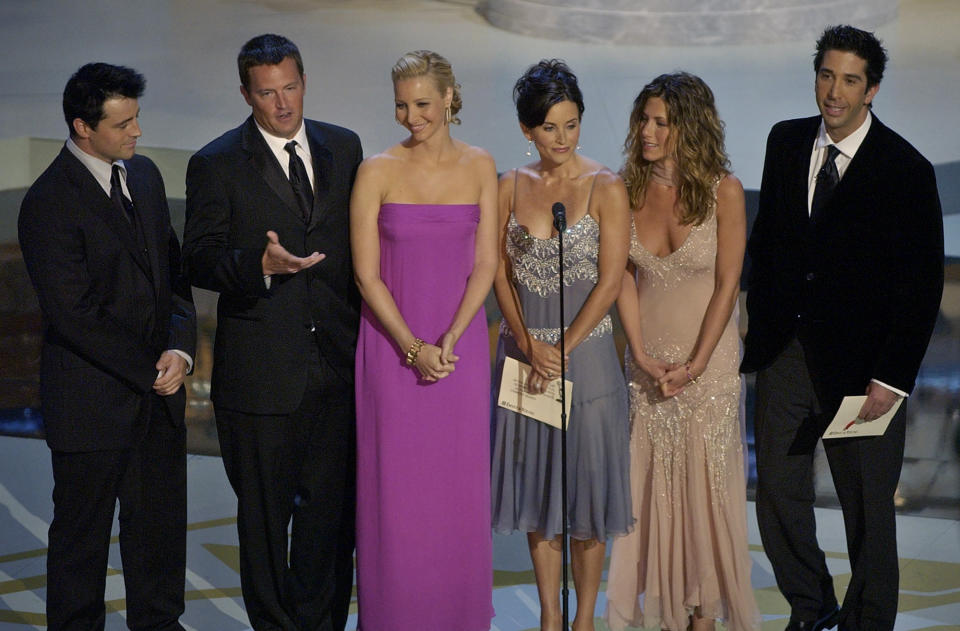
(865,473)
(150,481)
(295,472)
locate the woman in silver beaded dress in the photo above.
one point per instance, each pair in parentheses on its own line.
(687,563)
(526,453)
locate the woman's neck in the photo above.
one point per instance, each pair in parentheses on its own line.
(664,172)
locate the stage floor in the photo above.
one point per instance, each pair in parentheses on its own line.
(929,558)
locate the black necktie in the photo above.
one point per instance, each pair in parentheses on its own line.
(299,181)
(124,205)
(827,178)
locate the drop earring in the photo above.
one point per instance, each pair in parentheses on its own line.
(529,148)
(447,115)
(578,148)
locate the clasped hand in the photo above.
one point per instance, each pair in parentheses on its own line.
(172,369)
(670,378)
(546,362)
(436,362)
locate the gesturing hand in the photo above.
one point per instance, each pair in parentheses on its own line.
(278,260)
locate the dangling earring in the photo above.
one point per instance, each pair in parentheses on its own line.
(578,148)
(529,147)
(448,115)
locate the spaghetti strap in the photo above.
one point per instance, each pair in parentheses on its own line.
(590,194)
(516,185)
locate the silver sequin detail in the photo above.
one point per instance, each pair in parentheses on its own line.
(535,261)
(552,335)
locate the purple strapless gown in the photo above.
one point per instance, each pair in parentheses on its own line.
(424,551)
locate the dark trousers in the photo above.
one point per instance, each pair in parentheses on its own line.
(297,468)
(865,473)
(150,482)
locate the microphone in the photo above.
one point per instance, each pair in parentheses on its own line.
(559,217)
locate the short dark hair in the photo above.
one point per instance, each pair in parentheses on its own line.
(266,50)
(863,44)
(93,84)
(541,87)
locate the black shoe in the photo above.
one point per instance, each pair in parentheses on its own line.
(826,621)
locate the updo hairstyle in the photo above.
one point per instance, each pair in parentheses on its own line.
(541,87)
(426,63)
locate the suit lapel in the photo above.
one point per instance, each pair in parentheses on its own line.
(265,163)
(322,165)
(139,189)
(799,169)
(93,198)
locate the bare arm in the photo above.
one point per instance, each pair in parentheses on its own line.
(731,241)
(612,213)
(544,358)
(628,307)
(365,244)
(484,259)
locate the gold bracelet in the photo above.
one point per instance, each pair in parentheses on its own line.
(414,351)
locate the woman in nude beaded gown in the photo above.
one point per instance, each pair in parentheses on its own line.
(423,232)
(687,563)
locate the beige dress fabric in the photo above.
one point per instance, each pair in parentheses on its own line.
(689,547)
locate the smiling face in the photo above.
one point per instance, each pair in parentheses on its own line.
(115,137)
(420,106)
(655,130)
(842,93)
(275,92)
(557,136)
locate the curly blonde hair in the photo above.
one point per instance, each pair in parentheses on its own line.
(420,63)
(696,135)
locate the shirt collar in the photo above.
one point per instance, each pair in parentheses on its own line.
(277,144)
(849,145)
(100,169)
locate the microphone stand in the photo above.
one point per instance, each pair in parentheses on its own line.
(560,223)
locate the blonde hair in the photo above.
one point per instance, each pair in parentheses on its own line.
(421,63)
(696,134)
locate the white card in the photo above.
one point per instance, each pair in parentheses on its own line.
(845,425)
(515,396)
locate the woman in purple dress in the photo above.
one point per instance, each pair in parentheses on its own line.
(423,231)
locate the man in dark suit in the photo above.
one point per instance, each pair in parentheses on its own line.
(267,210)
(844,289)
(118,337)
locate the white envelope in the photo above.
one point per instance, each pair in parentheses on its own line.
(844,424)
(541,407)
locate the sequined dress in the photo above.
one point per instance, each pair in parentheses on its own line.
(689,548)
(526,478)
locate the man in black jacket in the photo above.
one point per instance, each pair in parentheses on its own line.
(267,227)
(119,335)
(844,289)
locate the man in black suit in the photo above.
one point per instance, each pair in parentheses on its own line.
(844,289)
(118,337)
(267,209)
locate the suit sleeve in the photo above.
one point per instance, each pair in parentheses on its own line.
(210,261)
(916,284)
(183,314)
(54,250)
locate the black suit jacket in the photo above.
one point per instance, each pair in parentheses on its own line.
(110,308)
(236,192)
(861,284)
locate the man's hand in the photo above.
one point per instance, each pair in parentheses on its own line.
(277,260)
(879,401)
(173,368)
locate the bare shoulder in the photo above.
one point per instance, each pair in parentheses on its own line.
(380,164)
(609,186)
(730,190)
(476,156)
